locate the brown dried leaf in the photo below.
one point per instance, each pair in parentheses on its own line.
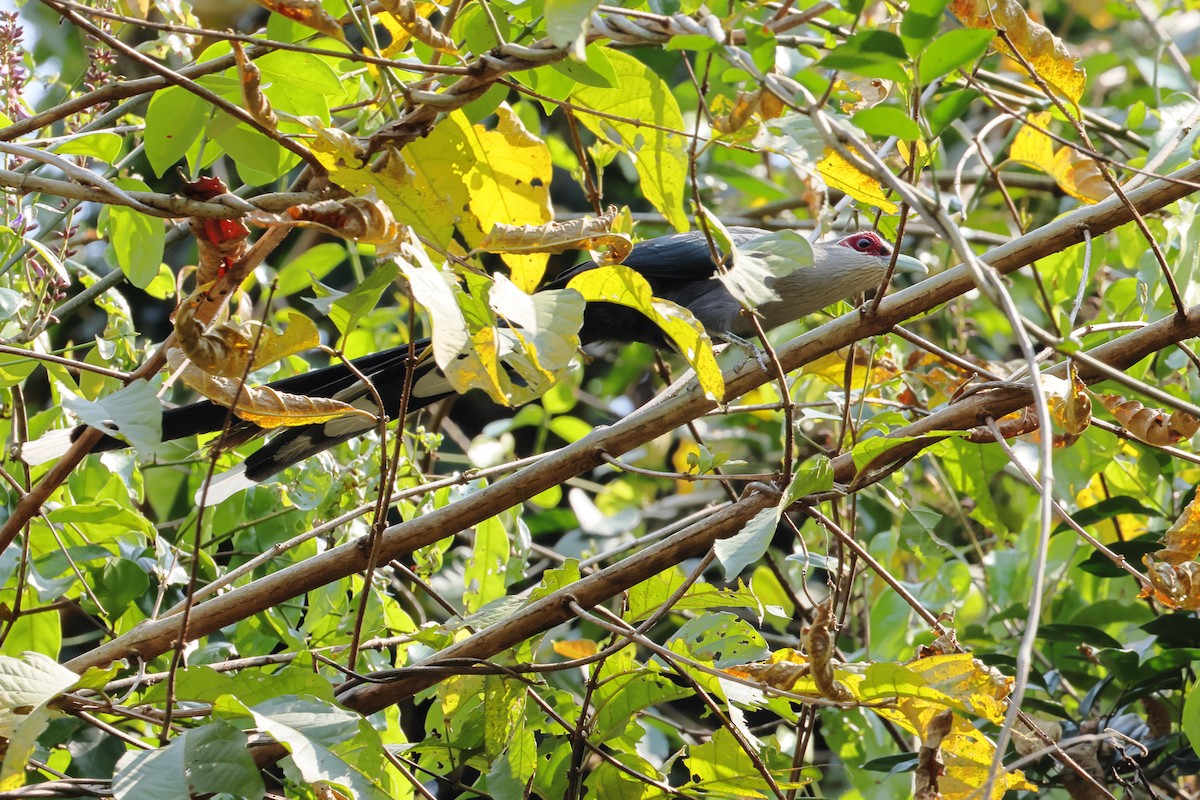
(1181,542)
(220,242)
(870,91)
(930,766)
(1150,425)
(417,26)
(1173,585)
(588,233)
(820,650)
(1070,404)
(308,13)
(364,219)
(256,102)
(262,405)
(231,350)
(742,112)
(1046,54)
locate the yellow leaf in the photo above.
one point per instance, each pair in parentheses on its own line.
(576,648)
(832,368)
(621,285)
(1182,539)
(1031,146)
(413,200)
(841,174)
(1044,51)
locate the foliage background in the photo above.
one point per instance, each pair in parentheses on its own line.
(524,113)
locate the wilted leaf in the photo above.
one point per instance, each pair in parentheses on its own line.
(623,286)
(820,640)
(256,102)
(1070,404)
(363,219)
(263,405)
(841,174)
(587,233)
(930,766)
(1181,542)
(220,242)
(233,349)
(308,13)
(1174,585)
(1046,54)
(1150,425)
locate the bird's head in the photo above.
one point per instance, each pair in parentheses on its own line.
(870,243)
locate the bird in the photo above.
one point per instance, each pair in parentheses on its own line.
(678,267)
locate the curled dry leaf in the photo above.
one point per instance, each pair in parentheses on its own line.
(761,103)
(220,242)
(930,766)
(871,92)
(364,219)
(1150,425)
(588,233)
(251,79)
(231,350)
(262,405)
(1181,542)
(1174,585)
(419,27)
(308,13)
(1044,51)
(820,650)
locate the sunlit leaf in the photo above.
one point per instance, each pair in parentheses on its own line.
(1043,50)
(841,174)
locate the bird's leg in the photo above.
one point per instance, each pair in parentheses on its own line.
(746,346)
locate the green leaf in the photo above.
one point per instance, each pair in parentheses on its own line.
(884,121)
(872,54)
(951,108)
(311,265)
(758,262)
(175,119)
(483,577)
(326,743)
(747,546)
(10,303)
(27,685)
(953,50)
(566,22)
(348,309)
(814,476)
(134,413)
(300,83)
(103,146)
(1190,723)
(923,19)
(204,761)
(659,153)
(135,240)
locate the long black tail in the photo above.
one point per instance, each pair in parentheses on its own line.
(386,370)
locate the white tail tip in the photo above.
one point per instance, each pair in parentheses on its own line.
(52,445)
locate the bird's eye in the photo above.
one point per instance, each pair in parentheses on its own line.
(864,243)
